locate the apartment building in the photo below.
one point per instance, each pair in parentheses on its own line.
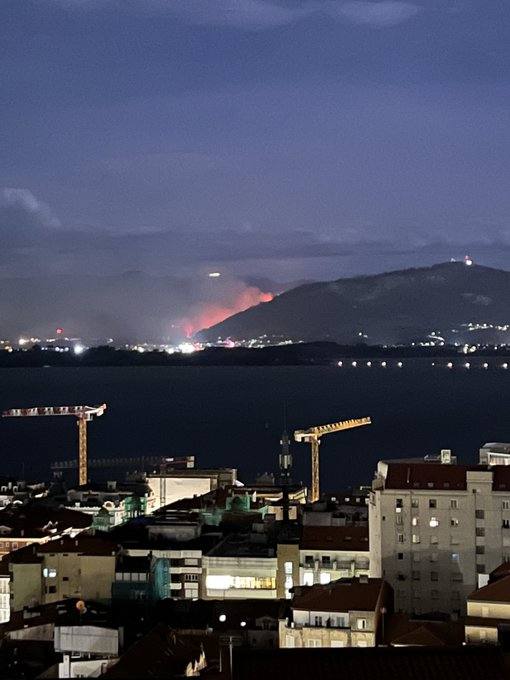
(240,566)
(437,529)
(488,610)
(344,613)
(82,567)
(327,553)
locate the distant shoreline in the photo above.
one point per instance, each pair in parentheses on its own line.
(303,354)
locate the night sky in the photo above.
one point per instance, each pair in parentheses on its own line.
(307,139)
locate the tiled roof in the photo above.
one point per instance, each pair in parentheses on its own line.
(378,663)
(343,595)
(89,545)
(423,475)
(334,538)
(498,591)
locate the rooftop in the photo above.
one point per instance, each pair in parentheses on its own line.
(343,595)
(422,474)
(378,663)
(334,538)
(497,591)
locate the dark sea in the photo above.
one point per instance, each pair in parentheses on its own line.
(234,416)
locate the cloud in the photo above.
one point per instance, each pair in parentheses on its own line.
(257,15)
(20,209)
(377,14)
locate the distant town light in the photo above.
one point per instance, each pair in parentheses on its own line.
(486,365)
(186,348)
(449,365)
(383,364)
(505,365)
(467,365)
(78,349)
(468,261)
(214,275)
(243,624)
(400,364)
(354,363)
(22,341)
(222,618)
(340,363)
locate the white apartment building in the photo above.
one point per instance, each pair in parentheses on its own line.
(327,553)
(437,529)
(344,613)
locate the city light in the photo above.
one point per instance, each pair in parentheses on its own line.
(78,349)
(186,348)
(214,275)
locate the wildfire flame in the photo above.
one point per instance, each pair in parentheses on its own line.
(211,314)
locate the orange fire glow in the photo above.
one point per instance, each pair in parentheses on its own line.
(211,314)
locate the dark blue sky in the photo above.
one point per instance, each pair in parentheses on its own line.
(311,138)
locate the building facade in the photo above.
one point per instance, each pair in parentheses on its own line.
(437,529)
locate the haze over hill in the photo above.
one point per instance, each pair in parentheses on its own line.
(395,307)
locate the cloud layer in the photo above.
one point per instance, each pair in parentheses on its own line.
(257,15)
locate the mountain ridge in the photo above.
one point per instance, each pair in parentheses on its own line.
(400,306)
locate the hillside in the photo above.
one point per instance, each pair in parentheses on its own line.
(395,307)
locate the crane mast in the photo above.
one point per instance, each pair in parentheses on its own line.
(313,436)
(83,414)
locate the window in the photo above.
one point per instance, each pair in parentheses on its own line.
(480,568)
(432,503)
(318,621)
(49,572)
(289,641)
(480,531)
(457,577)
(454,540)
(416,557)
(65,578)
(454,522)
(480,514)
(414,503)
(52,589)
(313,643)
(506,505)
(361,624)
(308,578)
(191,561)
(434,594)
(455,557)
(309,560)
(454,504)
(415,575)
(480,549)
(434,576)
(433,557)
(399,504)
(434,540)
(400,556)
(415,521)
(287,567)
(191,577)
(326,560)
(400,538)
(399,519)
(433,522)
(506,524)
(325,577)
(416,538)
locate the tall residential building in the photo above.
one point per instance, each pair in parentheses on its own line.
(437,529)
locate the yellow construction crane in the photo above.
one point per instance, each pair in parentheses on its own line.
(313,437)
(82,413)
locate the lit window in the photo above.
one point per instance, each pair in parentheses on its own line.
(506,505)
(415,521)
(287,567)
(414,503)
(454,522)
(433,522)
(454,504)
(361,624)
(416,538)
(455,557)
(400,538)
(308,578)
(325,577)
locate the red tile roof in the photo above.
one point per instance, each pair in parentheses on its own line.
(426,476)
(334,538)
(498,591)
(343,595)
